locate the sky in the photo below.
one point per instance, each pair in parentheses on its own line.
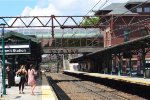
(49,7)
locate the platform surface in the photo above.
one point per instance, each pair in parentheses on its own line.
(42,92)
(135,80)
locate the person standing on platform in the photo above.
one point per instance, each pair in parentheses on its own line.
(22,73)
(8,75)
(31,78)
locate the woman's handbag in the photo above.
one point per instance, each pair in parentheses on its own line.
(17,79)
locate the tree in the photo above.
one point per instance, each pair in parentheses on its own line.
(90,21)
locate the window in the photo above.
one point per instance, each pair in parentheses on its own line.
(126,35)
(134,62)
(138,9)
(147,9)
(144,32)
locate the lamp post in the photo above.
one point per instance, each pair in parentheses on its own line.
(3,60)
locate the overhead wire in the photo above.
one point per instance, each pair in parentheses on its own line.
(143,24)
(130,26)
(90,11)
(94,7)
(103,6)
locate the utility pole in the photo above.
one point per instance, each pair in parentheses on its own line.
(3,60)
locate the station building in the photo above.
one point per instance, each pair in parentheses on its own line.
(124,23)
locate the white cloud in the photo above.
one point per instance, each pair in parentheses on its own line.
(63,7)
(26,11)
(64,4)
(38,11)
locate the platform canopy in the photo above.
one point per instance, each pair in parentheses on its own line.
(134,46)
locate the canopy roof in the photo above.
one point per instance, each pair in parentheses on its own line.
(19,35)
(135,44)
(62,33)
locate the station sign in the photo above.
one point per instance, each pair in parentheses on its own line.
(16,49)
(147,61)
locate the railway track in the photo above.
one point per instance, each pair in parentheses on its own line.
(71,88)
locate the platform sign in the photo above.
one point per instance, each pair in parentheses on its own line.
(147,61)
(16,49)
(147,64)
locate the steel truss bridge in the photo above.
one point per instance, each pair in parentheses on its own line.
(72,22)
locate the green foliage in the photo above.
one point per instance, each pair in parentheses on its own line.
(90,21)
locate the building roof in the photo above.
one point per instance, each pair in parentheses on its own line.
(117,8)
(120,8)
(137,1)
(11,33)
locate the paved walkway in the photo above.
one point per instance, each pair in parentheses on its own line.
(42,92)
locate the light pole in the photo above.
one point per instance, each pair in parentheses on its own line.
(3,59)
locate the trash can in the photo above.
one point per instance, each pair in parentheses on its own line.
(147,69)
(147,72)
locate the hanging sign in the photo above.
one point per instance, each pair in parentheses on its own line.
(16,49)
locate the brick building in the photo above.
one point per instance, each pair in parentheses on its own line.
(126,21)
(122,24)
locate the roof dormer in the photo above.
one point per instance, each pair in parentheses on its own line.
(138,6)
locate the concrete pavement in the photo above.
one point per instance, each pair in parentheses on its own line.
(42,92)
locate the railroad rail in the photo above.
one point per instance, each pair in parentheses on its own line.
(68,87)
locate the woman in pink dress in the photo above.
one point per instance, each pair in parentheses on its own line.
(31,78)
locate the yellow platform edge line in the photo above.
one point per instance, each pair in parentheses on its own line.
(127,79)
(47,93)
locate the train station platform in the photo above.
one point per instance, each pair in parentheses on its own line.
(43,91)
(134,80)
